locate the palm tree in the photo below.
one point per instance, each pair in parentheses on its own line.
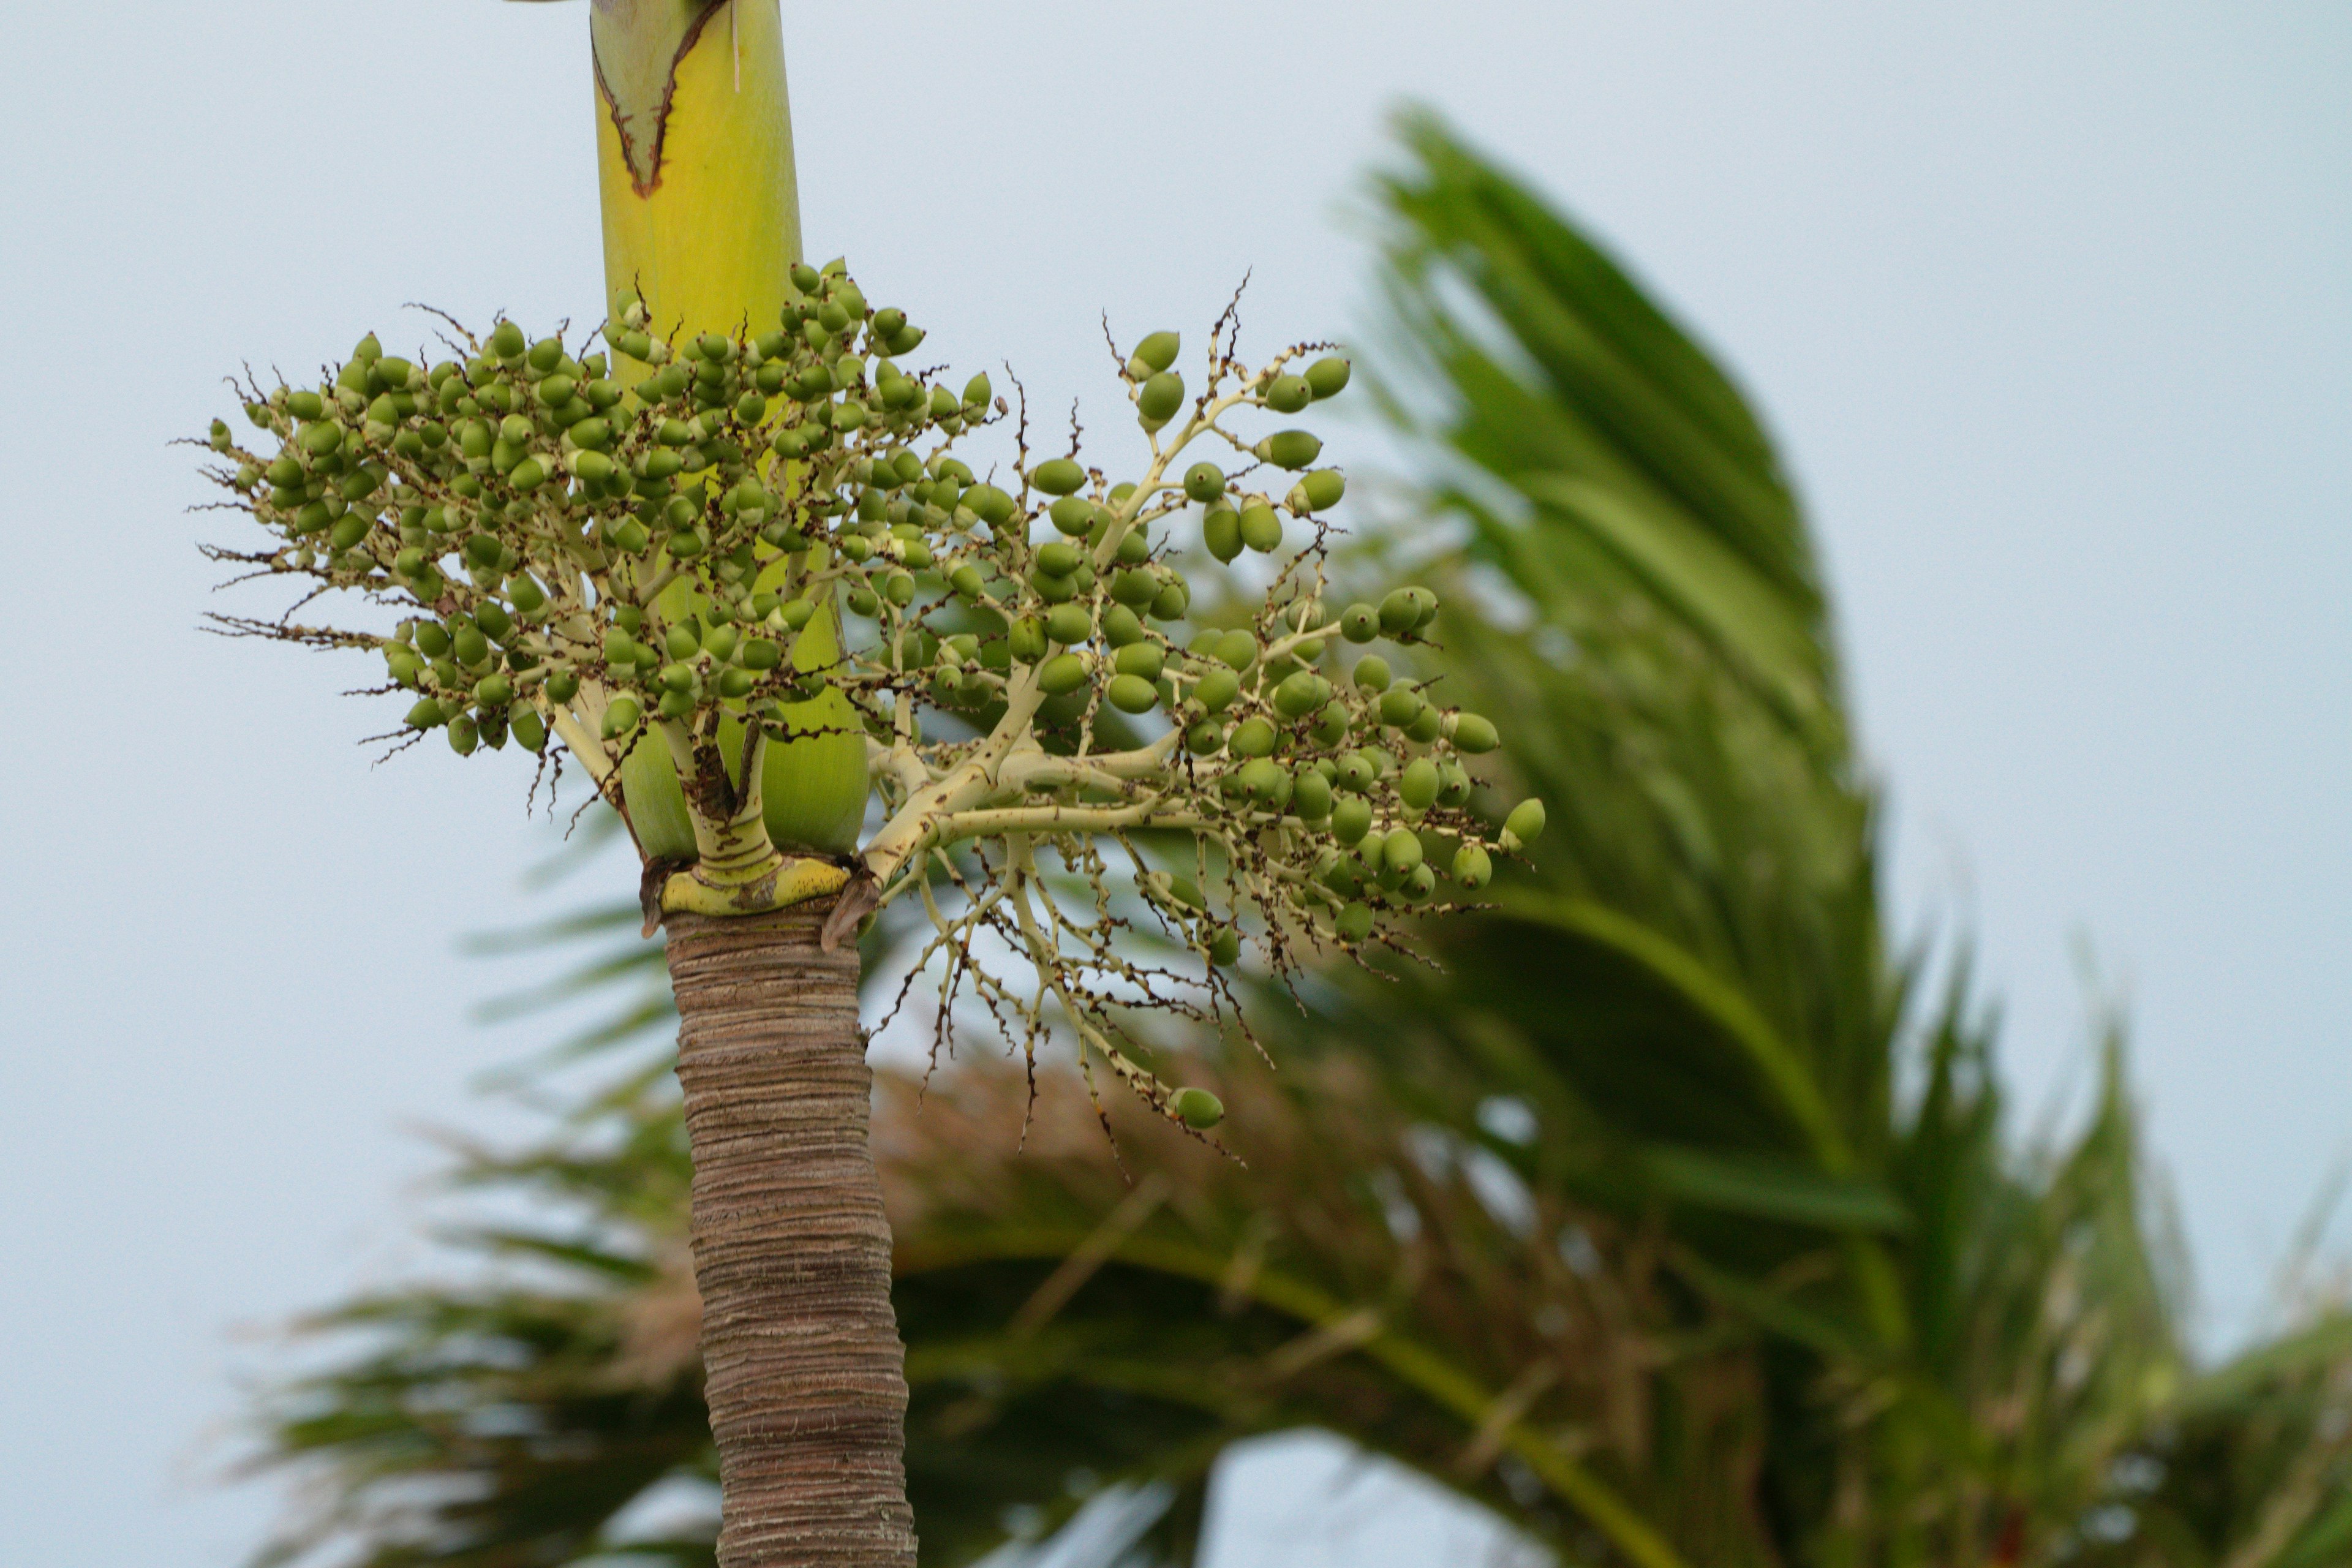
(1614,1219)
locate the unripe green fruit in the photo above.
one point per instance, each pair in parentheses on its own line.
(1357,773)
(1372,673)
(432,638)
(1159,400)
(555,391)
(1291,449)
(471,647)
(736,683)
(1216,691)
(1069,624)
(494,621)
(1418,884)
(313,518)
(862,602)
(1401,705)
(305,406)
(1300,694)
(562,686)
(1417,786)
(529,729)
(1425,729)
(682,641)
(1120,627)
(1026,639)
(1134,588)
(1319,490)
(1400,613)
(1261,529)
(321,438)
(465,734)
(1524,825)
(425,715)
(494,691)
(677,678)
(528,475)
(1052,589)
(1473,734)
(1196,1109)
(1452,785)
(1332,724)
(1171,602)
(1072,515)
(1351,818)
(1156,352)
(1140,659)
(899,589)
(1261,778)
(506,340)
(1205,739)
(1134,546)
(1473,867)
(977,391)
(1058,476)
(1401,850)
(1224,948)
(1204,482)
(1310,797)
(285,473)
(1221,532)
(1252,738)
(1236,649)
(990,504)
(1424,604)
(968,583)
(1355,922)
(1289,394)
(349,530)
(1133,694)
(1328,377)
(1057,558)
(1062,673)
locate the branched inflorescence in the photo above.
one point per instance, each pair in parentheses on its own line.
(649,569)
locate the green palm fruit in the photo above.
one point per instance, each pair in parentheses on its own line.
(862,602)
(1196,1109)
(1121,626)
(1292,450)
(719,642)
(762,653)
(1026,639)
(683,641)
(1052,589)
(1057,558)
(1301,693)
(1220,531)
(1524,825)
(306,405)
(1424,604)
(1062,673)
(425,715)
(1428,727)
(1320,490)
(1236,648)
(621,717)
(1400,613)
(321,438)
(494,691)
(349,530)
(432,638)
(1204,482)
(1156,352)
(1401,850)
(1358,772)
(1252,738)
(1260,778)
(1419,883)
(555,391)
(1473,734)
(546,355)
(736,683)
(470,646)
(899,588)
(990,504)
(1069,623)
(529,728)
(1355,922)
(285,473)
(1417,786)
(1310,797)
(1289,394)
(1216,689)
(1133,694)
(790,444)
(1372,673)
(1207,738)
(1351,818)
(594,467)
(1172,602)
(506,340)
(977,391)
(1332,724)
(1224,948)
(967,582)
(1072,515)
(483,549)
(1143,659)
(1328,377)
(1135,546)
(1261,529)
(677,678)
(750,408)
(1134,588)
(465,734)
(528,475)
(1058,476)
(403,664)
(1156,402)
(562,686)
(1472,866)
(492,617)
(1452,785)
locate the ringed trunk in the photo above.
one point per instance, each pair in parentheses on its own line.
(805,1369)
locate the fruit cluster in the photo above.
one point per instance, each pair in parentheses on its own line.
(659,538)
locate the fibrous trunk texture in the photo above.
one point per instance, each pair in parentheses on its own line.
(792,1252)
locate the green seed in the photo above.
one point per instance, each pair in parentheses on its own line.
(425,715)
(562,686)
(862,602)
(1121,626)
(1133,694)
(977,391)
(321,438)
(1473,734)
(1026,639)
(1058,476)
(1332,724)
(1204,482)
(496,623)
(1069,624)
(1300,694)
(1328,377)
(1372,673)
(1140,659)
(1289,394)
(621,717)
(494,691)
(1355,922)
(1319,490)
(1205,739)
(1134,588)
(1057,558)
(1261,529)
(1216,691)
(1401,850)
(1400,613)
(1428,727)
(349,530)
(1196,1109)
(1524,825)
(529,729)
(1252,738)
(506,340)
(528,475)
(1417,786)
(1351,818)
(899,589)
(594,467)
(1236,648)
(1172,600)
(1155,353)
(1262,778)
(546,355)
(1472,866)
(1291,449)
(1220,531)
(1159,398)
(1063,673)
(305,406)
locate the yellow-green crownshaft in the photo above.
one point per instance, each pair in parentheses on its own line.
(702,222)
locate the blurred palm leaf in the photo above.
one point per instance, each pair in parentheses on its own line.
(1613,1222)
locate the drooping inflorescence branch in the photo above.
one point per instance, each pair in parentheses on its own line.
(748,581)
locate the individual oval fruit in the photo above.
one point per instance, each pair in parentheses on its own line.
(1140,659)
(1216,689)
(1472,866)
(1354,922)
(1417,786)
(1372,673)
(1261,528)
(1058,476)
(1252,738)
(1132,694)
(1069,624)
(1204,482)
(1328,377)
(1236,649)
(1159,399)
(1400,706)
(1156,352)
(1221,532)
(1473,734)
(1196,1109)
(1319,490)
(1351,818)
(1524,825)
(1291,449)
(1063,673)
(1310,797)
(1289,394)
(1401,850)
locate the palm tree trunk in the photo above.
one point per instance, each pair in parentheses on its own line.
(791,1251)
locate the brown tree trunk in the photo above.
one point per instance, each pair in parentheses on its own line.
(791,1251)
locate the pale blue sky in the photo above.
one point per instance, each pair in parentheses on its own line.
(2050,306)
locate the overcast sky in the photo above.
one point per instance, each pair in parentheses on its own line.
(2051,307)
